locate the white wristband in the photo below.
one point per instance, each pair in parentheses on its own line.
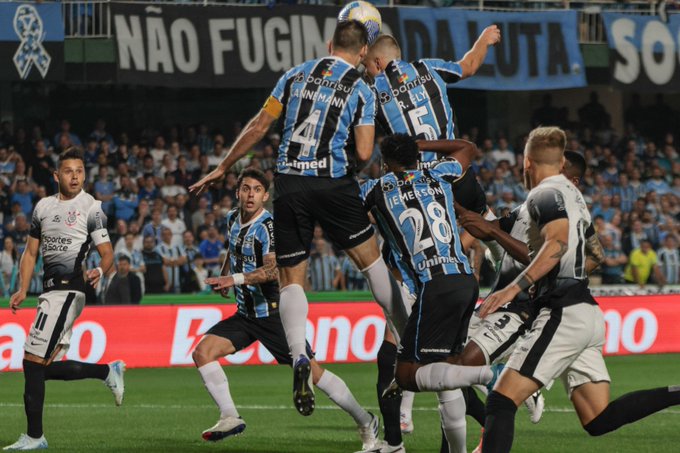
(239,279)
(101,272)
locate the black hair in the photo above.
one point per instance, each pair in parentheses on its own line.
(71,153)
(578,162)
(123,257)
(254,173)
(350,35)
(400,149)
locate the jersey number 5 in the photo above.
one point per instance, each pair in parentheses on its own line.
(422,130)
(304,133)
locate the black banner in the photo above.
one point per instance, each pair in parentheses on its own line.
(220,46)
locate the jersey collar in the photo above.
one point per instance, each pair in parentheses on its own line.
(251,221)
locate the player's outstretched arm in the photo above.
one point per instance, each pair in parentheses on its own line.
(490,230)
(254,131)
(26,266)
(364,137)
(474,57)
(555,245)
(462,150)
(268,272)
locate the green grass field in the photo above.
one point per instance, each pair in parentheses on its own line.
(166,410)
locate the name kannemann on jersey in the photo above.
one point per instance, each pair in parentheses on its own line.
(319,96)
(55,243)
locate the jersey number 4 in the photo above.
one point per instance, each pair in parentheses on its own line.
(304,134)
(440,228)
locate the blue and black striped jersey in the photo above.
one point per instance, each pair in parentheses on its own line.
(322,101)
(412,100)
(414,211)
(249,243)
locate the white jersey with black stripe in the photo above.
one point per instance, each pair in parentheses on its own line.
(65,229)
(556,198)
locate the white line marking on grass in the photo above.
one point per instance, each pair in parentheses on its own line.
(260,407)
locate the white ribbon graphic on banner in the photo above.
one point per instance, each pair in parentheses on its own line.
(29,28)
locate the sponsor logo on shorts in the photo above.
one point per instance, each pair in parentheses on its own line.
(356,235)
(435,351)
(291,255)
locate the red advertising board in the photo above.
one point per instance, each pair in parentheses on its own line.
(161,336)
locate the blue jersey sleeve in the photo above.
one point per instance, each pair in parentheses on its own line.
(447,169)
(367,191)
(279,89)
(450,71)
(265,235)
(366,113)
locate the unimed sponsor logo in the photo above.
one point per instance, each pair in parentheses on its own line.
(163,336)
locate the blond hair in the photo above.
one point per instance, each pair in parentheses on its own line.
(545,145)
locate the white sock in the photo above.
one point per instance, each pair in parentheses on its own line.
(338,392)
(436,377)
(216,382)
(387,293)
(293,308)
(406,407)
(452,414)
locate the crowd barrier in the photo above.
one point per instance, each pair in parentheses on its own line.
(165,335)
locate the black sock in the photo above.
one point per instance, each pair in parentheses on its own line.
(632,407)
(474,407)
(70,370)
(499,428)
(34,397)
(389,408)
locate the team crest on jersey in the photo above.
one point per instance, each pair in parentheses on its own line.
(403,78)
(409,177)
(72,218)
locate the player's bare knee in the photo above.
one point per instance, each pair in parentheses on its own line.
(406,378)
(201,355)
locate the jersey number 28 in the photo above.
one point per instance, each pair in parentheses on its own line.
(440,228)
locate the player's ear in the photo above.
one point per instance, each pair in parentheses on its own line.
(55,174)
(266,196)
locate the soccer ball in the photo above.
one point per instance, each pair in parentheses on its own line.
(365,13)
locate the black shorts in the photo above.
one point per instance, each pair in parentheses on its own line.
(301,201)
(439,321)
(243,331)
(469,193)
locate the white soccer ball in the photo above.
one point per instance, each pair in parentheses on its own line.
(365,13)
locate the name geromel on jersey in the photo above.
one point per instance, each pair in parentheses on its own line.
(54,243)
(406,85)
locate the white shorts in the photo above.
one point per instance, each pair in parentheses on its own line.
(57,311)
(496,334)
(563,342)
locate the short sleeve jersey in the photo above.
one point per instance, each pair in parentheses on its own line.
(249,243)
(414,211)
(412,100)
(65,229)
(322,101)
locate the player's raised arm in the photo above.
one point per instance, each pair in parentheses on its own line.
(254,131)
(462,150)
(474,57)
(26,266)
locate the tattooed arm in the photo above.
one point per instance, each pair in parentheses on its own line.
(268,272)
(594,253)
(556,240)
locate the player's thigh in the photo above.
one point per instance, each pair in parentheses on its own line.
(433,328)
(293,220)
(226,337)
(515,386)
(57,311)
(589,400)
(496,335)
(556,338)
(269,331)
(341,213)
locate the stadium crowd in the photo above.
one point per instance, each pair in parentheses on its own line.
(166,241)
